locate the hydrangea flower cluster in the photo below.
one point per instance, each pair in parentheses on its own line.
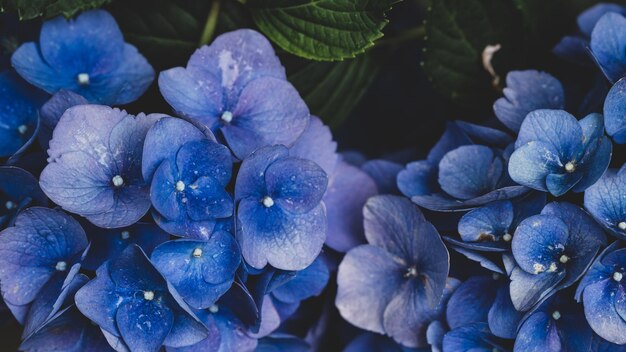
(232,223)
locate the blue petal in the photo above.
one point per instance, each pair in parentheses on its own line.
(539,242)
(269,111)
(559,184)
(282,343)
(556,128)
(32,249)
(201,230)
(531,164)
(537,334)
(144,325)
(19,189)
(605,202)
(600,300)
(608,40)
(470,171)
(472,338)
(98,300)
(384,173)
(488,223)
(527,91)
(503,318)
(133,271)
(307,283)
(200,271)
(51,112)
(316,144)
(471,301)
(528,289)
(589,18)
(296,185)
(486,135)
(442,202)
(18,112)
(348,190)
(573,49)
(127,82)
(29,63)
(419,178)
(452,138)
(284,240)
(368,279)
(251,175)
(614,107)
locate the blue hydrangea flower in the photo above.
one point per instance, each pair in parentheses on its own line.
(94,166)
(388,285)
(555,153)
(18,113)
(608,45)
(527,91)
(51,112)
(132,302)
(201,271)
(44,246)
(107,244)
(473,337)
(282,343)
(484,299)
(281,220)
(18,190)
(555,325)
(603,294)
(614,106)
(574,47)
(552,251)
(384,173)
(605,201)
(237,86)
(88,56)
(458,174)
(188,171)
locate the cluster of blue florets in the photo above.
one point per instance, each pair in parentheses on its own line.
(215,227)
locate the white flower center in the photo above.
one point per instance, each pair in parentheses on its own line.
(180,186)
(564,259)
(227,116)
(495,276)
(622,225)
(61,266)
(197,253)
(118,181)
(214,309)
(148,295)
(22,129)
(507,237)
(556,315)
(125,235)
(83,79)
(570,167)
(617,276)
(9,205)
(268,202)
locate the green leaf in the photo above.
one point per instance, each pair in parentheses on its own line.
(333,89)
(29,9)
(321,29)
(457,33)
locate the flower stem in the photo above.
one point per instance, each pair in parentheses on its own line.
(211,22)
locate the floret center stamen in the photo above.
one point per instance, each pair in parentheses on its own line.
(564,259)
(227,116)
(9,205)
(197,253)
(148,295)
(61,266)
(617,276)
(118,181)
(570,167)
(180,186)
(622,225)
(22,129)
(411,272)
(214,309)
(268,202)
(556,315)
(83,79)
(125,235)
(507,237)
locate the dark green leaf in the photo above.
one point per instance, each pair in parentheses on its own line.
(321,29)
(29,9)
(332,89)
(458,31)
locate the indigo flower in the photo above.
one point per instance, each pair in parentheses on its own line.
(132,302)
(94,166)
(555,153)
(552,251)
(188,171)
(281,220)
(52,110)
(525,92)
(458,174)
(605,201)
(574,47)
(388,285)
(18,190)
(602,293)
(614,106)
(44,246)
(608,45)
(86,55)
(555,325)
(18,113)
(237,86)
(201,271)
